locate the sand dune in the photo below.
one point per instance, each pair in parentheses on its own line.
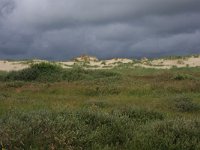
(12,66)
(93,63)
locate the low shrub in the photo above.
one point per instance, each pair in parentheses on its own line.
(125,128)
(74,74)
(182,77)
(184,104)
(78,73)
(177,134)
(37,72)
(71,129)
(141,114)
(48,72)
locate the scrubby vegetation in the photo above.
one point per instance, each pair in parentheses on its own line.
(47,107)
(37,72)
(95,129)
(185,104)
(182,77)
(49,72)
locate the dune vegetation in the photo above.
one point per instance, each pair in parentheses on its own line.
(48,107)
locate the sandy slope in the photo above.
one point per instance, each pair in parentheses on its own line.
(12,66)
(94,63)
(167,63)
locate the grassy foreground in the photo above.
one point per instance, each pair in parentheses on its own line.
(47,107)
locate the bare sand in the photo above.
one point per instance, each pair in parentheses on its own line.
(12,65)
(167,63)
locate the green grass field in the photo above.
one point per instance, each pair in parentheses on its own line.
(47,107)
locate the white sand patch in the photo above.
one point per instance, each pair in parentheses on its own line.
(118,60)
(12,66)
(184,62)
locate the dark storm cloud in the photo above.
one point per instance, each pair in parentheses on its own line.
(107,28)
(6,7)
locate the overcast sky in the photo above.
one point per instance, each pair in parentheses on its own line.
(63,29)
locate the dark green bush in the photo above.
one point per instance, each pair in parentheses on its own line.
(46,72)
(74,74)
(174,135)
(79,73)
(184,104)
(37,72)
(182,77)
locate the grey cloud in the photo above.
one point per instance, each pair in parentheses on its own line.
(56,14)
(177,44)
(106,28)
(6,7)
